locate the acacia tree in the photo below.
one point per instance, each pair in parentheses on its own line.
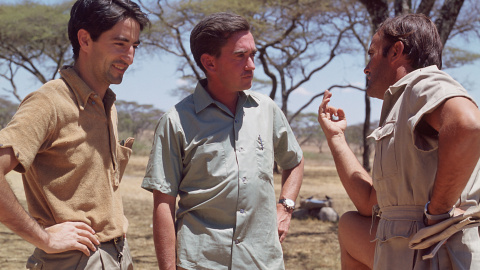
(306,130)
(134,118)
(33,38)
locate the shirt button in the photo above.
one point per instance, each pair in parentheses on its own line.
(93,102)
(244,179)
(237,241)
(236,121)
(242,211)
(240,149)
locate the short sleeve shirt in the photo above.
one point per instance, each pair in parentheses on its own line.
(221,166)
(64,137)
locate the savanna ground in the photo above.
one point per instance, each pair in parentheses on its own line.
(310,244)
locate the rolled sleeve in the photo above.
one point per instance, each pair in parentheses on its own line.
(28,131)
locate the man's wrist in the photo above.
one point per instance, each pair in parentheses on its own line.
(288,204)
(338,138)
(443,216)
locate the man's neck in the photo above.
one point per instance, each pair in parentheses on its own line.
(223,96)
(86,75)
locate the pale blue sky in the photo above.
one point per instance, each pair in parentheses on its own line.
(151,79)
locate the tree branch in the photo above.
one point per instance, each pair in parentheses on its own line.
(319,95)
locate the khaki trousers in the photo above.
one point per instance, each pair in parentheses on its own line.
(109,255)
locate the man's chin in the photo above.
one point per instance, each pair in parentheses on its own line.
(247,86)
(372,93)
(116,80)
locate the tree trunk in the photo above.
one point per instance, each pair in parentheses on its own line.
(378,10)
(402,7)
(448,17)
(425,7)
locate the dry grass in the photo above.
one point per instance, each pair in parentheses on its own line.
(310,244)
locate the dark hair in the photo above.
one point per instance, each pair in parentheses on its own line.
(98,16)
(420,38)
(212,33)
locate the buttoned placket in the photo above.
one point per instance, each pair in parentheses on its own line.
(241,153)
(100,106)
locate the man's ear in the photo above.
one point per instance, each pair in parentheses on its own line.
(84,39)
(208,62)
(396,51)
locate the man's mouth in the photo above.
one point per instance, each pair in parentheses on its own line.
(120,67)
(247,75)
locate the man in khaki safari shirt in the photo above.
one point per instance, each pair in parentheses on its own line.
(425,186)
(63,139)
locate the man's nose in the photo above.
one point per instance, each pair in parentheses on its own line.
(250,64)
(366,70)
(129,55)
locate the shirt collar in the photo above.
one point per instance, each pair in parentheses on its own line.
(202,98)
(400,84)
(81,90)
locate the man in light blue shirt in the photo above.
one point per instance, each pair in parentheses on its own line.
(216,150)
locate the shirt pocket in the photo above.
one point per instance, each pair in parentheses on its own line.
(123,156)
(385,162)
(264,156)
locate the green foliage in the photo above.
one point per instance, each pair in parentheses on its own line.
(33,37)
(32,25)
(456,57)
(134,118)
(355,138)
(307,130)
(7,110)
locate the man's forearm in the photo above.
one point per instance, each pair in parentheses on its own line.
(356,181)
(12,213)
(17,219)
(164,230)
(292,181)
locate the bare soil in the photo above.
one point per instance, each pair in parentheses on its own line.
(310,244)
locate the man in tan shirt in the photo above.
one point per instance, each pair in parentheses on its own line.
(63,139)
(426,168)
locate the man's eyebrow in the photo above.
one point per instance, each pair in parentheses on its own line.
(244,51)
(239,51)
(124,39)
